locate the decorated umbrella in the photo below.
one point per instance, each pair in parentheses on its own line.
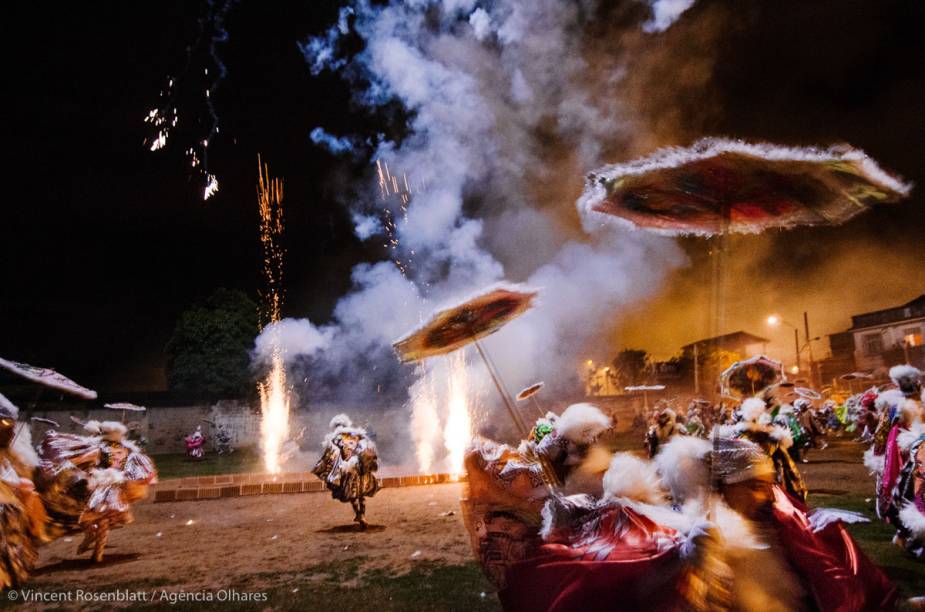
(751,376)
(125,406)
(530,393)
(853,376)
(718,186)
(807,393)
(48,378)
(466,323)
(645,393)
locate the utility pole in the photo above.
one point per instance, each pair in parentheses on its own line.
(696,371)
(812,362)
(796,344)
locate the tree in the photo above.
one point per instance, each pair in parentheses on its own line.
(208,354)
(630,367)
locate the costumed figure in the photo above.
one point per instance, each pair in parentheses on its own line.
(867,419)
(755,424)
(809,422)
(508,487)
(89,483)
(660,432)
(786,417)
(780,554)
(909,493)
(196,445)
(22,517)
(348,466)
(900,412)
(223,441)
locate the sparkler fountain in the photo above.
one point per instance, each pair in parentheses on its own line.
(274,399)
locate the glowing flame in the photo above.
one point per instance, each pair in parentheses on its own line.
(458,430)
(425,423)
(274,406)
(274,399)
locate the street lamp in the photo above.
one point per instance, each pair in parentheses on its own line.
(776,320)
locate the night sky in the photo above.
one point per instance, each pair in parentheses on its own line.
(104,242)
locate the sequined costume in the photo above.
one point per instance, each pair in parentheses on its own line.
(89,483)
(22,517)
(348,466)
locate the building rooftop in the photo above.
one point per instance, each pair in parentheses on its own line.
(735,340)
(909,310)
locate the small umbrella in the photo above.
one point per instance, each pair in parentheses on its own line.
(46,421)
(751,376)
(125,406)
(645,393)
(48,378)
(807,393)
(530,393)
(718,186)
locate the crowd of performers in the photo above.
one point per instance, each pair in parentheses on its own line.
(71,484)
(715,518)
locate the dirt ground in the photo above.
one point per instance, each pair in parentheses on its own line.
(263,542)
(255,540)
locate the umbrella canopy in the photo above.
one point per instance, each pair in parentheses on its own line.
(7,408)
(752,375)
(717,186)
(807,393)
(644,388)
(528,392)
(856,376)
(455,327)
(125,406)
(47,377)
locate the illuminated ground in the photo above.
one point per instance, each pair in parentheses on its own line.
(301,550)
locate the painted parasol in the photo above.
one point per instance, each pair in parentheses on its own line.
(751,376)
(530,393)
(465,323)
(48,378)
(720,186)
(125,407)
(644,389)
(457,326)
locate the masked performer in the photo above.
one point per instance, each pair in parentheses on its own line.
(804,559)
(508,487)
(348,466)
(909,493)
(196,445)
(756,425)
(22,517)
(665,426)
(89,483)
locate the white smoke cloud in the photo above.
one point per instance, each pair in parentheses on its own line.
(330,142)
(665,13)
(506,115)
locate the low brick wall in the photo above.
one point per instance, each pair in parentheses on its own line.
(195,488)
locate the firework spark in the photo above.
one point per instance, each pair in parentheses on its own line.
(458,430)
(274,399)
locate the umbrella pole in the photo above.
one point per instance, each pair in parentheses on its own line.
(507,400)
(536,405)
(551,479)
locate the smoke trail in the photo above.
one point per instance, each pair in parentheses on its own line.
(509,104)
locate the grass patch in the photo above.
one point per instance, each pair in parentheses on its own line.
(340,586)
(178,465)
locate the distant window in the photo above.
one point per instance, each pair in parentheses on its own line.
(912,336)
(873,344)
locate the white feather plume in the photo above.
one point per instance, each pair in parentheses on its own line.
(633,478)
(683,467)
(873,462)
(753,409)
(913,520)
(582,423)
(22,445)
